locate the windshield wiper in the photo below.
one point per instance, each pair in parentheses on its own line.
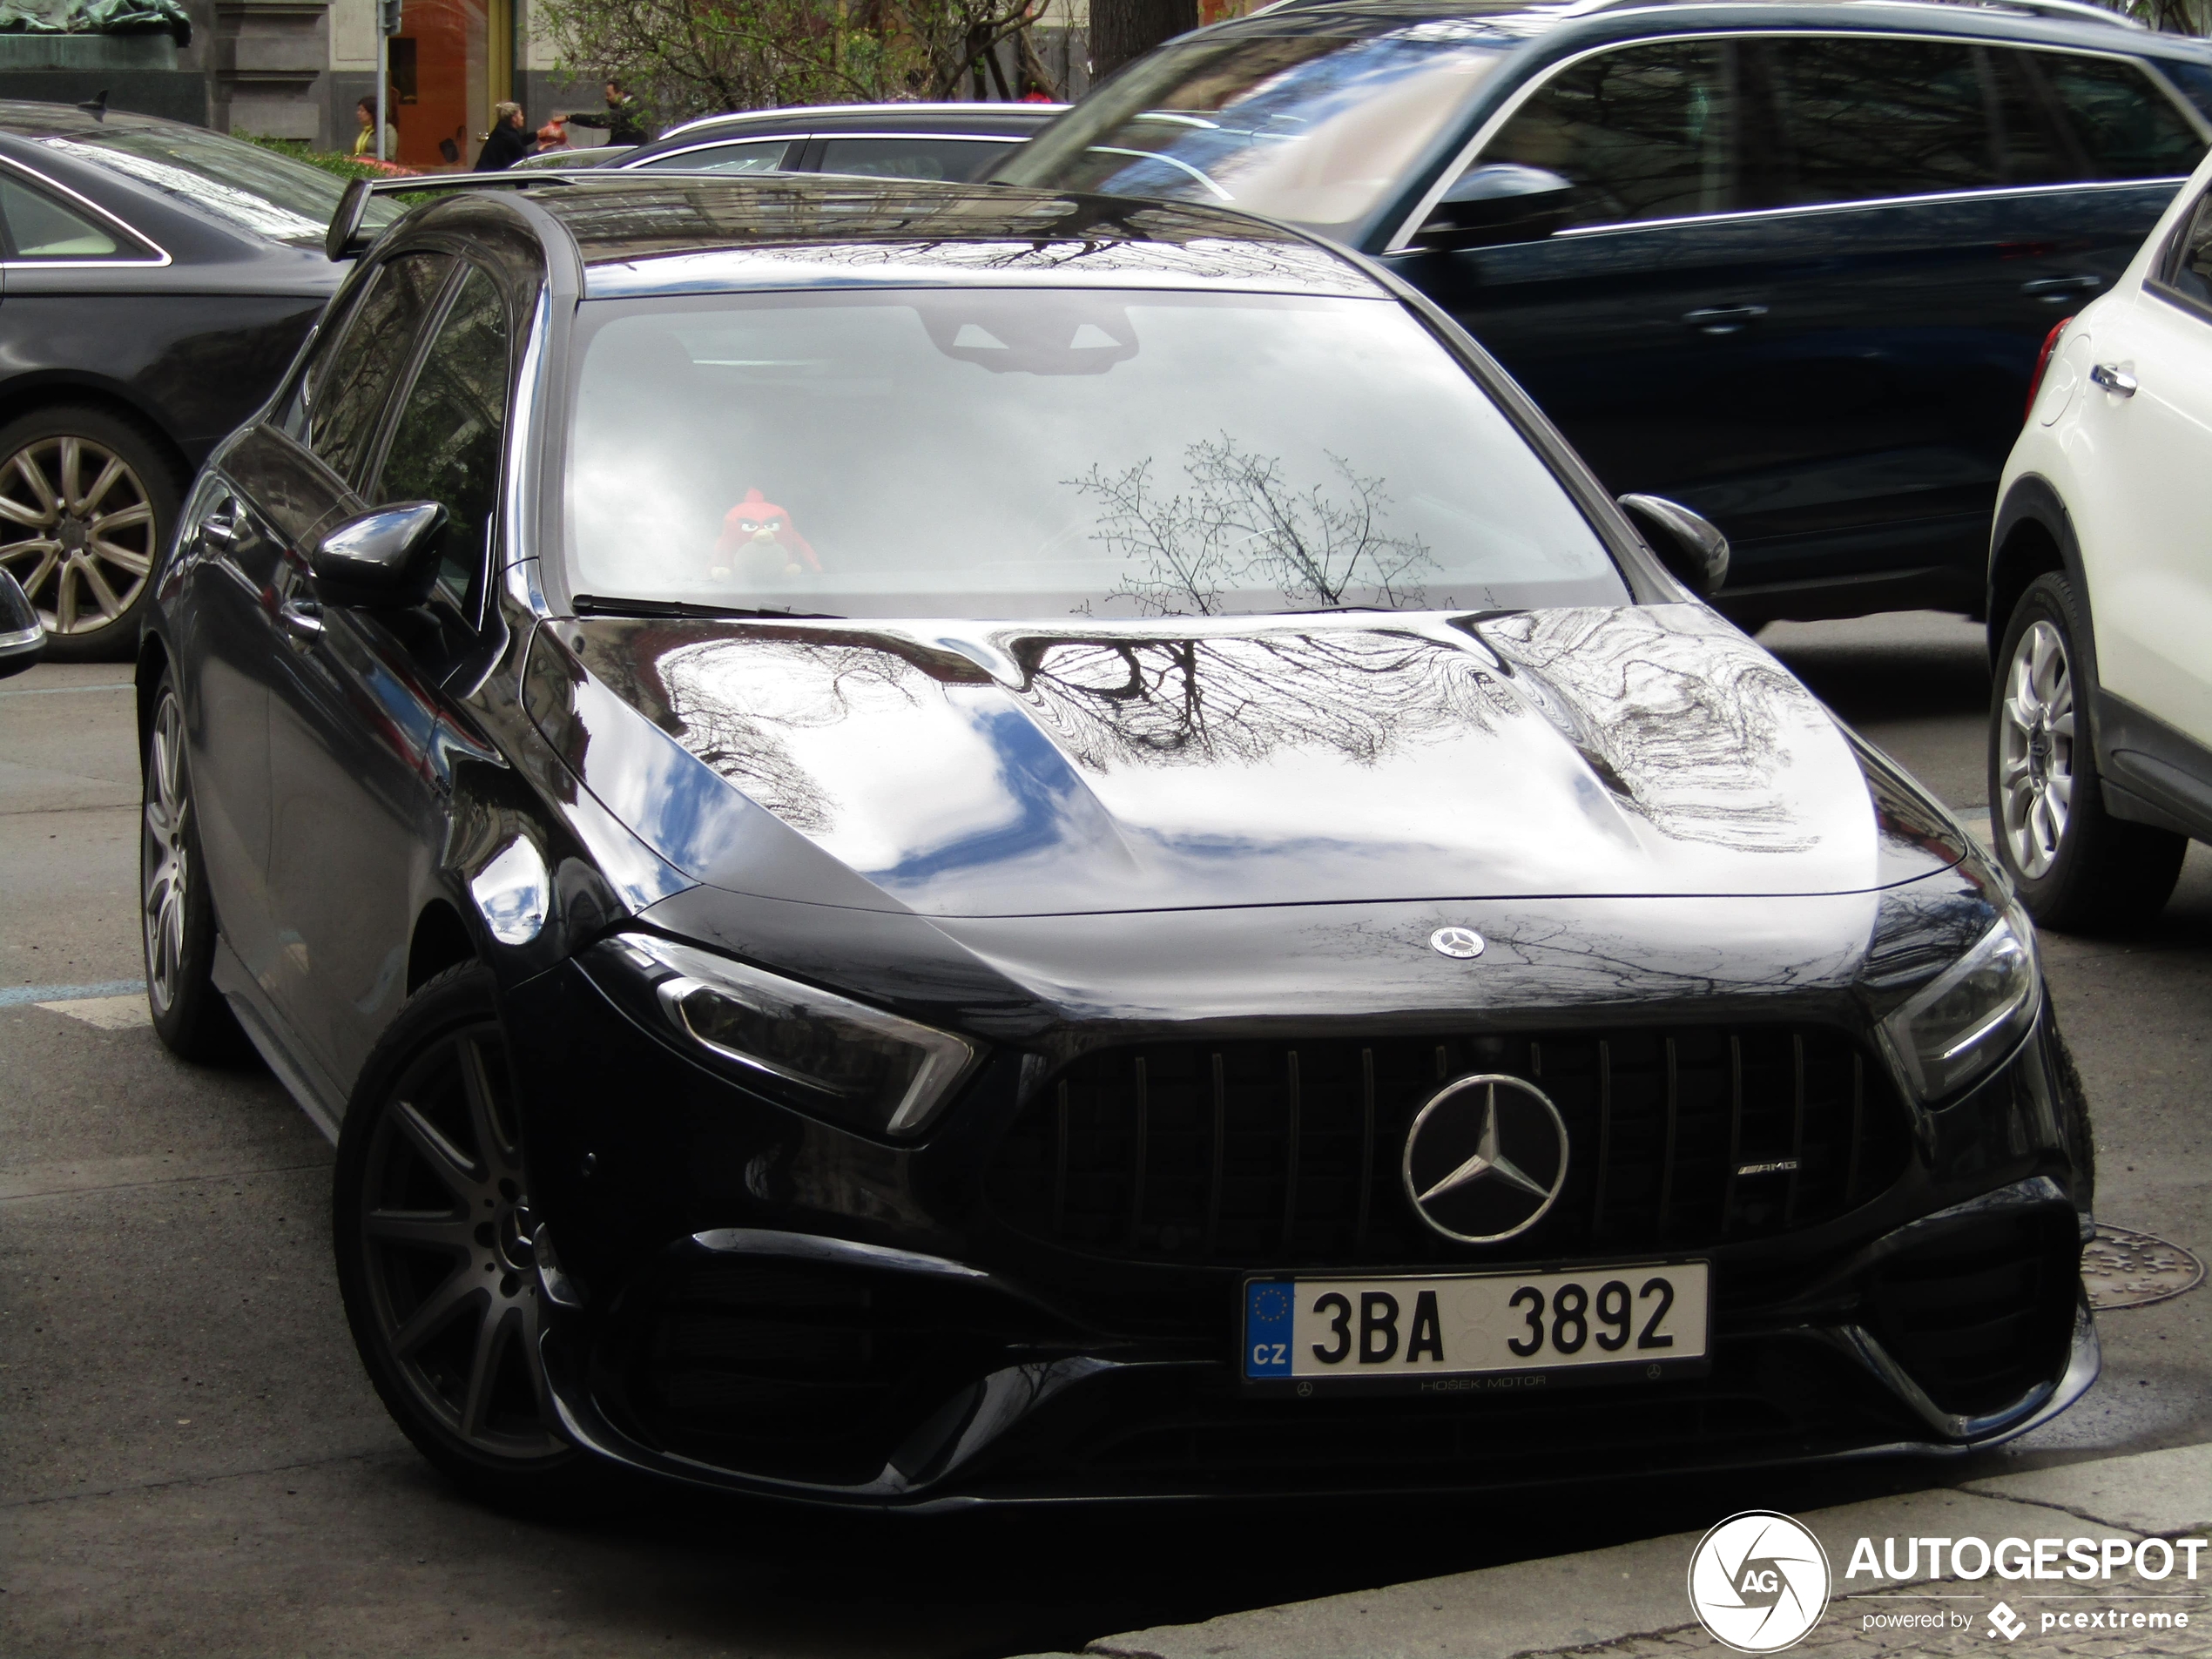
(592,604)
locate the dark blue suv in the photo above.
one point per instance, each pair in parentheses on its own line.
(1789,263)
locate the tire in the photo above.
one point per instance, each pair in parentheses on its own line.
(88,501)
(176,918)
(2078,868)
(431,1229)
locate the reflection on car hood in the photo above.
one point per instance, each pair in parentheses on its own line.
(976,770)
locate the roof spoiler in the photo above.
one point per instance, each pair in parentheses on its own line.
(345,240)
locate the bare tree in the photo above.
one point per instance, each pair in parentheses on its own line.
(1241,522)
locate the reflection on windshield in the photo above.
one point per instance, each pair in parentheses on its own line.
(1037,452)
(1312,128)
(1242,525)
(254,188)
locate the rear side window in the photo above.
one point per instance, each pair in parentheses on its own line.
(918,157)
(2186,271)
(344,393)
(446,445)
(1864,117)
(1645,133)
(2122,121)
(39,226)
(757,156)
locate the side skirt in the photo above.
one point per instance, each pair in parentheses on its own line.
(318,1094)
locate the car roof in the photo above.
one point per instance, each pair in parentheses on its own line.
(981,119)
(26,119)
(2072,22)
(662,234)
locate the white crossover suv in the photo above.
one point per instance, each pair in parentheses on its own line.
(2101,594)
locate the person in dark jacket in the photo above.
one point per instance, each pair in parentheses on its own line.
(507,142)
(623,121)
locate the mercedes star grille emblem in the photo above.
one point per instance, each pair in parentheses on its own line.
(1485,1158)
(1462,944)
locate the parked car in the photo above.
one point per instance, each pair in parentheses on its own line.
(938,141)
(1320,944)
(2100,590)
(157,280)
(569,161)
(1788,263)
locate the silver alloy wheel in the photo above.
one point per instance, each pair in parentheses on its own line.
(163,869)
(447,1231)
(77,530)
(2035,750)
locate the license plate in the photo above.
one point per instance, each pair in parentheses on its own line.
(1474,1331)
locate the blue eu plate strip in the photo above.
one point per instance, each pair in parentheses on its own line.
(1268,1310)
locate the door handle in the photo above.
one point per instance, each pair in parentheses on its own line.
(2114,380)
(1722,320)
(226,522)
(2057,290)
(303,618)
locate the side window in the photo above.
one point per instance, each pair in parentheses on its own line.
(39,226)
(1646,132)
(445,447)
(2186,270)
(1863,118)
(2124,121)
(762,155)
(344,396)
(955,159)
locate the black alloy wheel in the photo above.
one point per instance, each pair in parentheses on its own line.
(435,1249)
(2078,868)
(178,920)
(88,501)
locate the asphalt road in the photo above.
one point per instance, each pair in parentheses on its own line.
(191,1462)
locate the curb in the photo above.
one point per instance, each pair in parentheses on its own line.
(1599,1597)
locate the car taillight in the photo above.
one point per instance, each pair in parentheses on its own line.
(2042,362)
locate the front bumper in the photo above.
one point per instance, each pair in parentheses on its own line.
(747,1299)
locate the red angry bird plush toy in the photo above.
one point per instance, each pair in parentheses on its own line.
(760,544)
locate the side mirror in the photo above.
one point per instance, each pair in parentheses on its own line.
(1497,202)
(22,639)
(385,559)
(1687,544)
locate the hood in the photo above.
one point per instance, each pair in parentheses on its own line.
(965,770)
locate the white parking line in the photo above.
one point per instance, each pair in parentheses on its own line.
(109,1012)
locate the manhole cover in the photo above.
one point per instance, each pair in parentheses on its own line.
(2125,1269)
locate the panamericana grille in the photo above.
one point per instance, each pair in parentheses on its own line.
(1280,1154)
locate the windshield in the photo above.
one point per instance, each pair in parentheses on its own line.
(256,189)
(1030,453)
(1312,128)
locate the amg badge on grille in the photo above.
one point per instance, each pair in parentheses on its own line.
(1485,1158)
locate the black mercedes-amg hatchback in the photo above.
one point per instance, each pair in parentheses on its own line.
(930,844)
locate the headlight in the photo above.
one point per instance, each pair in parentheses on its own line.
(811,1048)
(1968,1017)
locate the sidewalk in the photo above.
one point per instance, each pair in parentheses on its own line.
(1632,1603)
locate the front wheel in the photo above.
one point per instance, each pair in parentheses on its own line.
(2078,868)
(435,1245)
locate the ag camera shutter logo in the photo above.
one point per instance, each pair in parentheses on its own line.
(1758,1581)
